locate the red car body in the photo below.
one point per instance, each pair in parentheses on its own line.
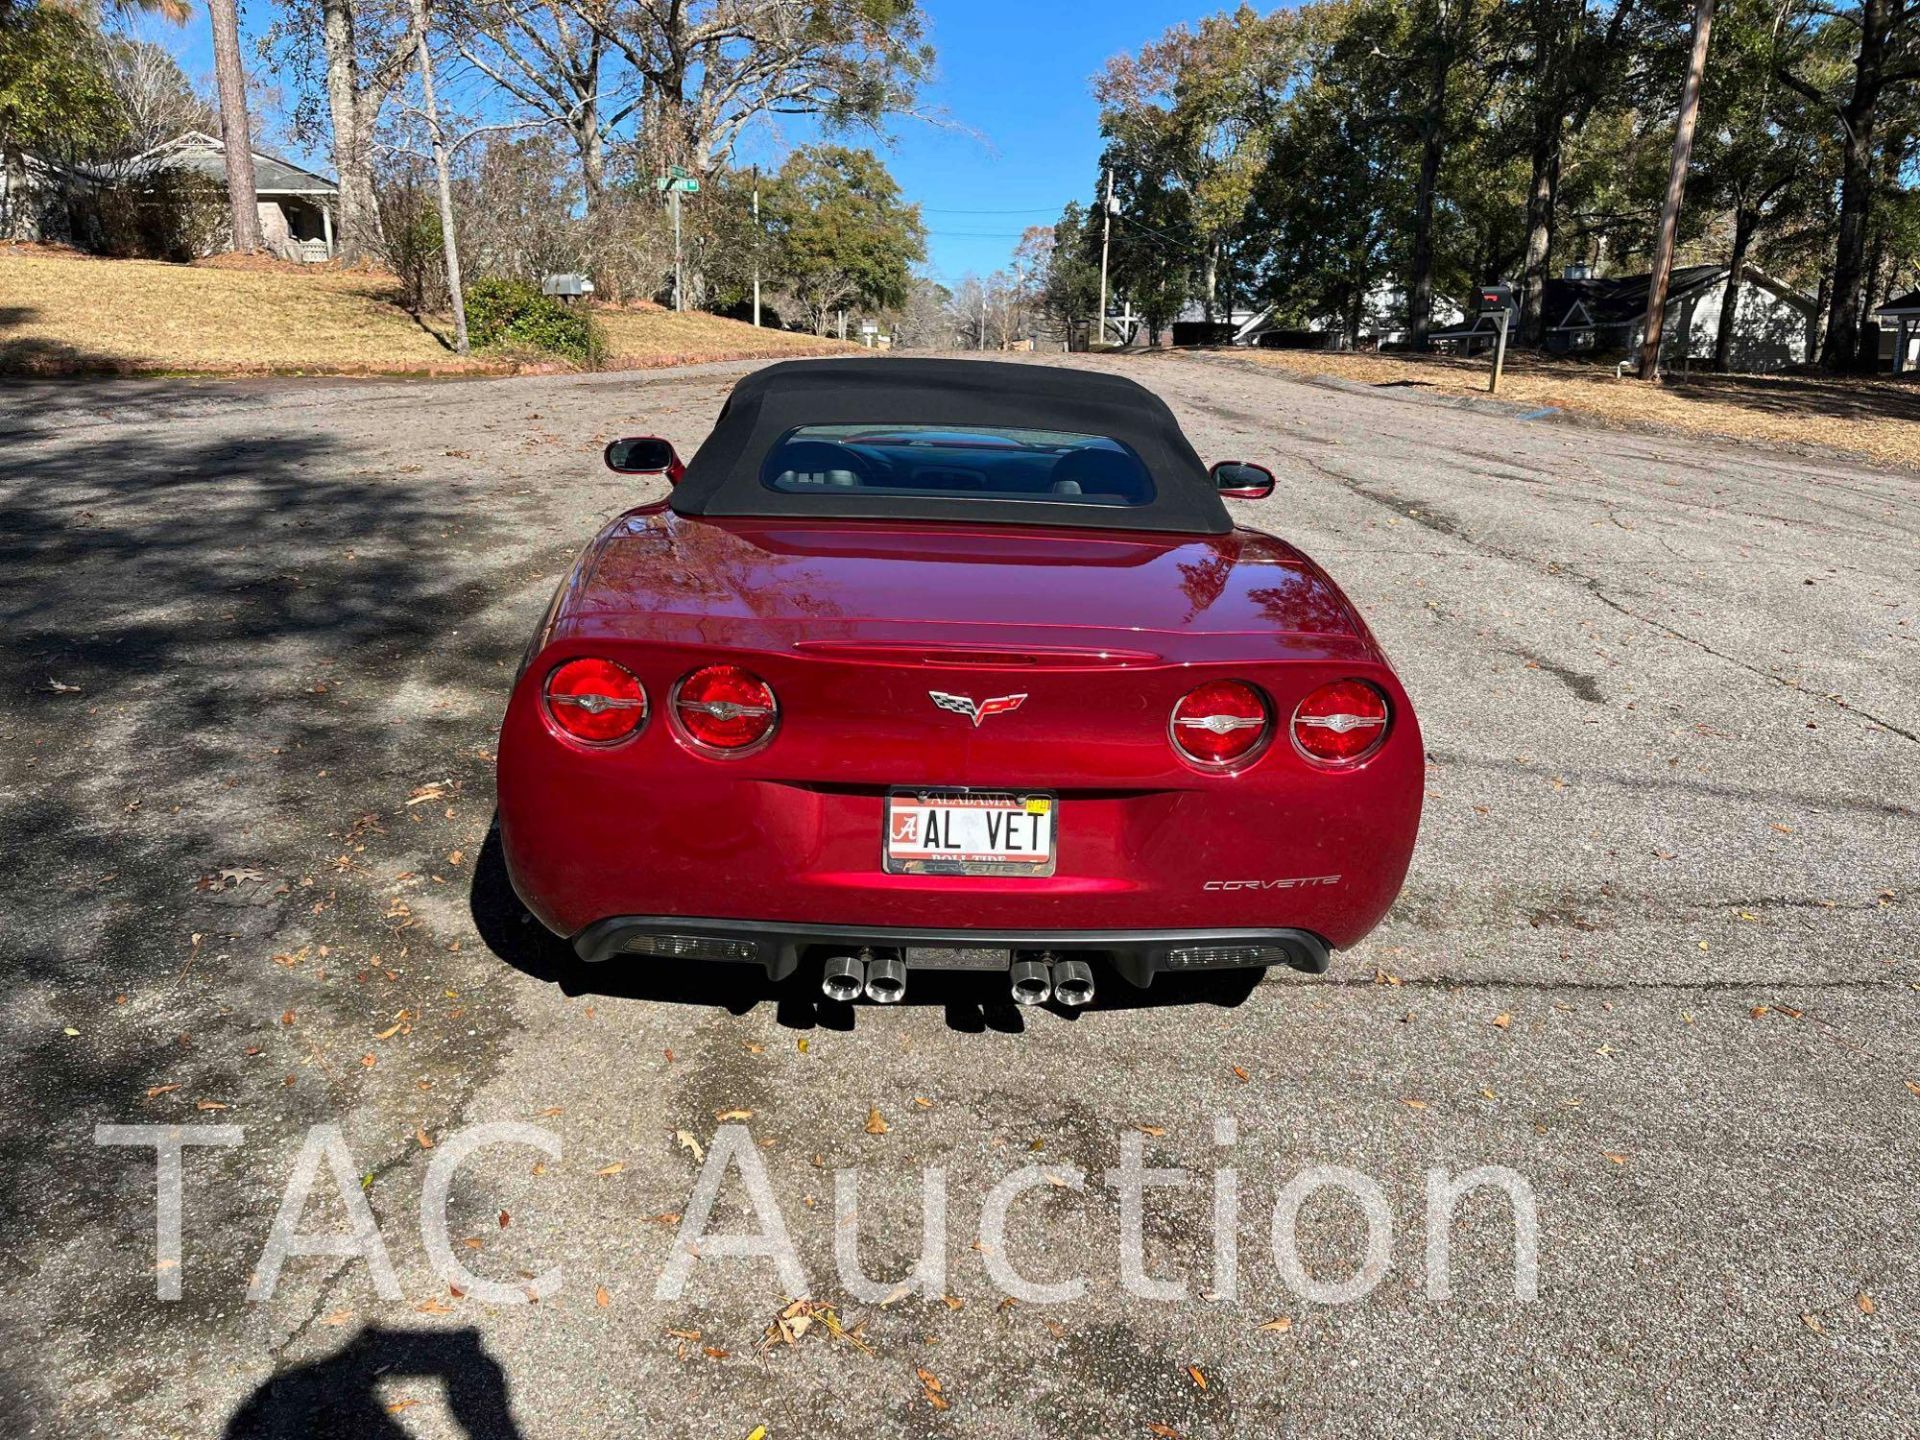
(856,625)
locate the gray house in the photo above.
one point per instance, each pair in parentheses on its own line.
(296,205)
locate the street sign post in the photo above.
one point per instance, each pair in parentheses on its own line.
(675,183)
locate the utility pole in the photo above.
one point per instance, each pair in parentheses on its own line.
(983,314)
(449,246)
(1106,236)
(1676,191)
(756,247)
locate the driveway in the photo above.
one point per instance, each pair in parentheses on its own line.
(1657,961)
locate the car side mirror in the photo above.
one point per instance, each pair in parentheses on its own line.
(1242,480)
(644,455)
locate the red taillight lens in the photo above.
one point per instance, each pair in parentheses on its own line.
(725,708)
(596,701)
(1341,723)
(1220,724)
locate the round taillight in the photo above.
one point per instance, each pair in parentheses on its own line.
(726,709)
(1341,723)
(596,701)
(1221,724)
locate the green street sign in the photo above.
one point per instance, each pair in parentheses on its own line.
(691,187)
(683,183)
(678,173)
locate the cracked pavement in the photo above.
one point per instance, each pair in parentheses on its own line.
(1658,954)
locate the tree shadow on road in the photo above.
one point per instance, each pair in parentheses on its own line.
(975,1002)
(339,1398)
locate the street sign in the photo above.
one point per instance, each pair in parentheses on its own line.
(685,184)
(678,173)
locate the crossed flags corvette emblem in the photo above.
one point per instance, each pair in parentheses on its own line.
(975,711)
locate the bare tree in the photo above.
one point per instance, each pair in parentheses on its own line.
(554,58)
(158,102)
(236,131)
(709,68)
(450,247)
(356,91)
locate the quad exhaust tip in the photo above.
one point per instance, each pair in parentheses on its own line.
(1031,981)
(844,978)
(886,980)
(1072,982)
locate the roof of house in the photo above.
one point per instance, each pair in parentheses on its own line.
(206,154)
(1907,304)
(1623,301)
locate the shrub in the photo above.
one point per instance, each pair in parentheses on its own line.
(514,315)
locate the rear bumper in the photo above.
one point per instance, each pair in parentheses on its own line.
(779,946)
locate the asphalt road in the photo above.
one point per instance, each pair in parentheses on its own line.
(1658,956)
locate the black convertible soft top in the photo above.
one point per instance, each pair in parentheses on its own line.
(724,477)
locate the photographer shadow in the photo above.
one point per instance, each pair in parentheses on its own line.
(338,1398)
(969,997)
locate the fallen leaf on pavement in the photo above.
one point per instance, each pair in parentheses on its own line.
(1502,1020)
(1615,1156)
(876,1123)
(734,1115)
(153,1090)
(1865,1302)
(1812,1322)
(1241,1072)
(601,1297)
(684,1139)
(1199,1378)
(614,1169)
(1279,1324)
(930,1386)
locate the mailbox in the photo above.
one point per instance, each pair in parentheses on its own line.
(567,287)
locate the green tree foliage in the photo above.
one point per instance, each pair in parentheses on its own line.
(56,97)
(1343,159)
(843,237)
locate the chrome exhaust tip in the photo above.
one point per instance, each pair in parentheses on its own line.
(844,977)
(886,980)
(1032,982)
(1072,982)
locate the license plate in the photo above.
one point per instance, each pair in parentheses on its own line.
(958,957)
(969,832)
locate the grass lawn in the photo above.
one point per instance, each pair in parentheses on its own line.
(63,313)
(1878,418)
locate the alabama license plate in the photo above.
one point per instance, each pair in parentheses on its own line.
(970,832)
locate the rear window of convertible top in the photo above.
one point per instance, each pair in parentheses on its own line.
(958,462)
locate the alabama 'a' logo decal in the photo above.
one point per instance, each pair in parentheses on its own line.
(976,711)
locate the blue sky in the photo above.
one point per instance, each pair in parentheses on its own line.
(1012,77)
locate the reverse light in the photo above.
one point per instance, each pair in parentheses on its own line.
(724,710)
(596,701)
(1221,724)
(1340,724)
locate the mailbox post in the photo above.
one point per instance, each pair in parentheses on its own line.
(1499,298)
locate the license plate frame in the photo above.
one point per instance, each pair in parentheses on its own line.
(954,798)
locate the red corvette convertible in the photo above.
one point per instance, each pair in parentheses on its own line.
(953,665)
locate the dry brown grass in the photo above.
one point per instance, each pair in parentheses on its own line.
(1877,418)
(62,313)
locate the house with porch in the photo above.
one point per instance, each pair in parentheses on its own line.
(296,205)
